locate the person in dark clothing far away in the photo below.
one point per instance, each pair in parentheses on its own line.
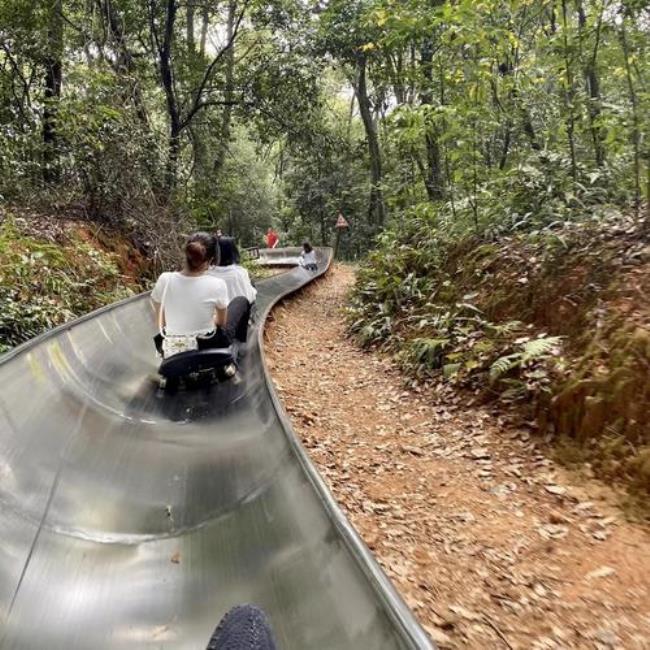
(308,257)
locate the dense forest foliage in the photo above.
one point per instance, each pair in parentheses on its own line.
(495,154)
(491,116)
(161,116)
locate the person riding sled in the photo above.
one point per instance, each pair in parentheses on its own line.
(308,257)
(192,307)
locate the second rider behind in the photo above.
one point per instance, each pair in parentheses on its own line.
(241,292)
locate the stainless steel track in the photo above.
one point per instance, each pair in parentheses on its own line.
(133,519)
(279,256)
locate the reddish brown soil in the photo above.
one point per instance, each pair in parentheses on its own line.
(490,543)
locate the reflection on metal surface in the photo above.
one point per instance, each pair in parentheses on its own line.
(279,256)
(130,518)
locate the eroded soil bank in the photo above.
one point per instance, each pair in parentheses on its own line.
(490,542)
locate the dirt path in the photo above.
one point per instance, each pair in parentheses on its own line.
(489,542)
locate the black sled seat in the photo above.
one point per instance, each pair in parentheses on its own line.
(197,362)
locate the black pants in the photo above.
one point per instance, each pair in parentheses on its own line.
(236,328)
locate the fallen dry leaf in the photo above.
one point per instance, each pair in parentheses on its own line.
(453,498)
(602,572)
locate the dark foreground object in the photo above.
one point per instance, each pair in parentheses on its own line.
(198,366)
(244,627)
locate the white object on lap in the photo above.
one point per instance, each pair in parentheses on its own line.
(175,344)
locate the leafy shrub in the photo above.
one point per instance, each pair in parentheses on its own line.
(43,285)
(410,299)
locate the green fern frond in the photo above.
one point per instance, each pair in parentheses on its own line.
(506,328)
(539,347)
(503,364)
(428,350)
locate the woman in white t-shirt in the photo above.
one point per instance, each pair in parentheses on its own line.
(192,302)
(237,280)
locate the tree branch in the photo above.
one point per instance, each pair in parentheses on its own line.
(197,105)
(16,69)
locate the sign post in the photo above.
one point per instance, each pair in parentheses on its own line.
(341,225)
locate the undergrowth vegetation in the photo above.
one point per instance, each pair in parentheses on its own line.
(46,283)
(552,319)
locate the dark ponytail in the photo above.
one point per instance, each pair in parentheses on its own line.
(200,248)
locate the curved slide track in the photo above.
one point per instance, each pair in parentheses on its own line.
(131,518)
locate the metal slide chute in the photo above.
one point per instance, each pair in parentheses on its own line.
(130,518)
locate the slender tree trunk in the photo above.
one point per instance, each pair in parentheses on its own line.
(376,209)
(412,74)
(506,145)
(451,190)
(167,79)
(507,70)
(636,130)
(350,118)
(190,26)
(227,109)
(205,22)
(593,86)
(53,80)
(396,74)
(526,120)
(433,181)
(125,63)
(323,229)
(173,154)
(475,142)
(569,94)
(507,126)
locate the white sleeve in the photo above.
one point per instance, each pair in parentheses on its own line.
(251,291)
(159,288)
(221,294)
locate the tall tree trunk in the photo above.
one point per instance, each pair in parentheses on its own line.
(450,189)
(53,80)
(506,144)
(226,118)
(125,63)
(205,22)
(569,94)
(592,82)
(376,209)
(636,130)
(434,180)
(323,227)
(167,79)
(190,26)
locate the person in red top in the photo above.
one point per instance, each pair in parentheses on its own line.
(271,238)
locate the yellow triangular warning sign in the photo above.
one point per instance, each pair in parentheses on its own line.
(341,222)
